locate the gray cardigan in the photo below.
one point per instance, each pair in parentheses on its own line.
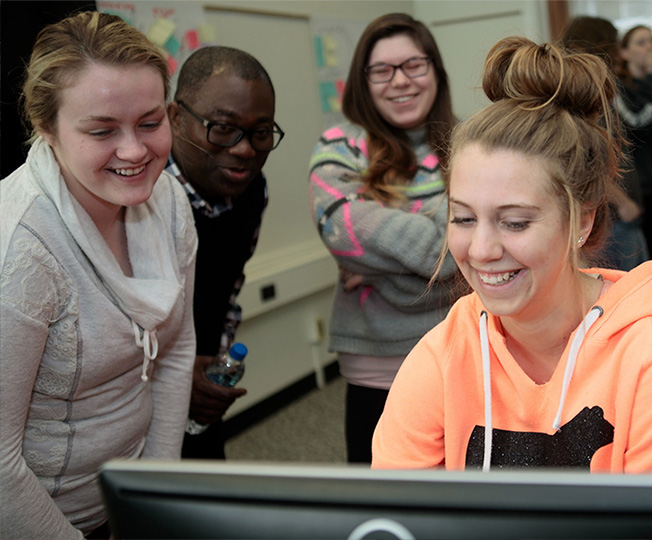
(396,249)
(72,389)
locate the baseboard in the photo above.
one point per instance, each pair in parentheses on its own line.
(266,408)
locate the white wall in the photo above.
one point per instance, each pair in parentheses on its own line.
(466,30)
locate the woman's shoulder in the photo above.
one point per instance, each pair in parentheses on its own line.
(171,197)
(342,145)
(345,134)
(22,203)
(344,129)
(462,319)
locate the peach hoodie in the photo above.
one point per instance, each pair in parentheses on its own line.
(594,413)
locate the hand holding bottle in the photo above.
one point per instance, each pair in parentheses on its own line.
(209,401)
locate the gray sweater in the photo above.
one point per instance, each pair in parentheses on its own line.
(396,249)
(76,388)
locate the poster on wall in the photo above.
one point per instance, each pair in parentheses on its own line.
(334,44)
(177,27)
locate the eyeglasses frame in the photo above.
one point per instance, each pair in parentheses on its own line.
(394,67)
(243,132)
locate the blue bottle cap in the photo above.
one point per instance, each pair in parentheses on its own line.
(238,351)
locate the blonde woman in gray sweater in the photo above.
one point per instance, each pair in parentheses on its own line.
(96,274)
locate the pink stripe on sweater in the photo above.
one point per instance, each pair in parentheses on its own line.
(348,225)
(365,294)
(326,187)
(430,162)
(357,250)
(333,133)
(416,206)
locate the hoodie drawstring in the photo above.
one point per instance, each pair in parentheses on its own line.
(589,320)
(486,379)
(149,343)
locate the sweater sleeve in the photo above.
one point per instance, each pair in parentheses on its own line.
(410,432)
(24,335)
(365,236)
(172,378)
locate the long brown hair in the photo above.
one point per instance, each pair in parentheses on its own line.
(392,162)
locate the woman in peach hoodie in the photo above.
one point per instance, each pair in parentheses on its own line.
(548,362)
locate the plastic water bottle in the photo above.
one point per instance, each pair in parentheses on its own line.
(226,370)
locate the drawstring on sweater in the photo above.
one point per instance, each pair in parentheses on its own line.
(149,343)
(486,379)
(587,322)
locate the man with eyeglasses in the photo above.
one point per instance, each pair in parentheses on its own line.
(223,129)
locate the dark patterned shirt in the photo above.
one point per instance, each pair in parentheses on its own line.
(214,211)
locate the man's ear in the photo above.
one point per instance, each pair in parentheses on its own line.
(174,115)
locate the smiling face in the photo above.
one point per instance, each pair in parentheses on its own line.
(507,233)
(403,102)
(217,172)
(112,137)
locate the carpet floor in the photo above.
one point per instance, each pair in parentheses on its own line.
(308,430)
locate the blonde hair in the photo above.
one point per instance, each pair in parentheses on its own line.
(555,105)
(65,48)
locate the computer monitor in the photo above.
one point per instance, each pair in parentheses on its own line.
(189,499)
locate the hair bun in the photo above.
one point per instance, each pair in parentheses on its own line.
(536,76)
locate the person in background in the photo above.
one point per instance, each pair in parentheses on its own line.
(223,130)
(377,197)
(548,362)
(97,259)
(626,247)
(635,108)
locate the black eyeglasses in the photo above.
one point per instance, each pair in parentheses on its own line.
(227,135)
(412,68)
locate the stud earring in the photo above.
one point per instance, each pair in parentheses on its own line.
(580,241)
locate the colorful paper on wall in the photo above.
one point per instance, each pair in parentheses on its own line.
(173,25)
(328,93)
(334,43)
(172,45)
(161,31)
(206,34)
(319,51)
(192,39)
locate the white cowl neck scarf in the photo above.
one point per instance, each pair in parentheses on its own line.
(149,296)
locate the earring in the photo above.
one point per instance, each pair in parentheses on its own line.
(580,241)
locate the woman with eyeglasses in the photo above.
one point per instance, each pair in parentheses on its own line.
(377,196)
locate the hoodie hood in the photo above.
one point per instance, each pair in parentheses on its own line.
(628,300)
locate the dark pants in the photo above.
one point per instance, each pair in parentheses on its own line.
(363,409)
(206,445)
